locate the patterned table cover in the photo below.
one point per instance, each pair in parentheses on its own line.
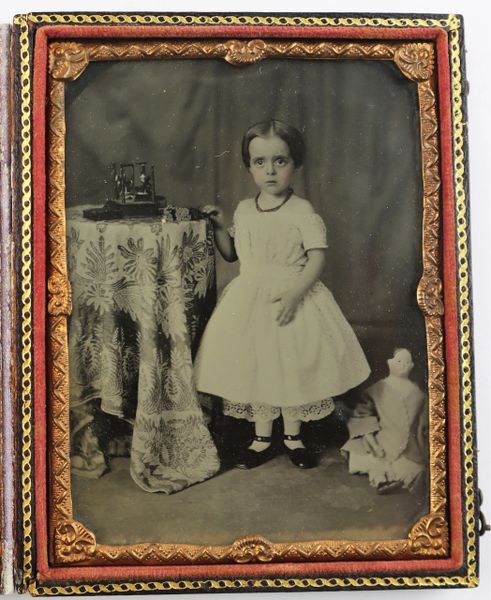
(142,289)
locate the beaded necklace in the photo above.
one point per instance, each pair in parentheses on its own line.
(284,201)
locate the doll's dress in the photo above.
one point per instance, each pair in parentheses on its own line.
(257,366)
(398,427)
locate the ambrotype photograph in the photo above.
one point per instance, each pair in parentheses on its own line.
(247,356)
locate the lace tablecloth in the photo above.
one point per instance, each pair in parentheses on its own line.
(142,291)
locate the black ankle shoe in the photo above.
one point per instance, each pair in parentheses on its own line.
(300,457)
(389,487)
(250,459)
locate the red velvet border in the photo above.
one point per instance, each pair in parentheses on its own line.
(39,295)
(46,573)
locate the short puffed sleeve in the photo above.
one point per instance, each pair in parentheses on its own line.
(313,231)
(231,229)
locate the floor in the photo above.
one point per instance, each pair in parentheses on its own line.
(276,500)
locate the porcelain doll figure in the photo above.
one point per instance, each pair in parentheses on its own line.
(386,429)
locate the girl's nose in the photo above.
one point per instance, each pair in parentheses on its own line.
(270,167)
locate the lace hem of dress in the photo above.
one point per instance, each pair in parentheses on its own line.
(313,411)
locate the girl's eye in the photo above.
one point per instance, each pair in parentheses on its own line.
(280,162)
(259,162)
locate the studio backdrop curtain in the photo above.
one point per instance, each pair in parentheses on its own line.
(362,170)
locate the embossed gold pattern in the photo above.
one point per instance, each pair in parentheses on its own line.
(59,296)
(67,60)
(450,23)
(253,549)
(67,63)
(73,542)
(245,53)
(416,61)
(429,290)
(422,541)
(430,296)
(429,293)
(58,310)
(429,534)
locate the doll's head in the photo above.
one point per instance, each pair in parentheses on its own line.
(401,363)
(272,150)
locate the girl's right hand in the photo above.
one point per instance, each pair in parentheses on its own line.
(215,213)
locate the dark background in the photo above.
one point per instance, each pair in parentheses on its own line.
(362,171)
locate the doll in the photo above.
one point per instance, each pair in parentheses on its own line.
(386,428)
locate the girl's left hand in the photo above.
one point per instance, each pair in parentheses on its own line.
(288,303)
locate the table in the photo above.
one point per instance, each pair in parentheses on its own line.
(142,291)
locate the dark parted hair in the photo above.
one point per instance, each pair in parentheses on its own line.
(290,135)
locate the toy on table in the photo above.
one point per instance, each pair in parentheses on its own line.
(132,193)
(387,430)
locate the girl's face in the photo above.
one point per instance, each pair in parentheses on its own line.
(272,167)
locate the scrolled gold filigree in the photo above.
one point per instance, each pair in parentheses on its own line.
(240,52)
(73,542)
(253,549)
(430,535)
(57,339)
(67,60)
(59,296)
(416,61)
(429,296)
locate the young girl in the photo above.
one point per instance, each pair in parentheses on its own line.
(277,343)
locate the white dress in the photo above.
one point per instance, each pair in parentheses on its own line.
(398,427)
(258,367)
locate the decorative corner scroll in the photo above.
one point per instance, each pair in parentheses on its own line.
(59,296)
(416,61)
(429,296)
(73,542)
(253,549)
(67,60)
(430,535)
(240,52)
